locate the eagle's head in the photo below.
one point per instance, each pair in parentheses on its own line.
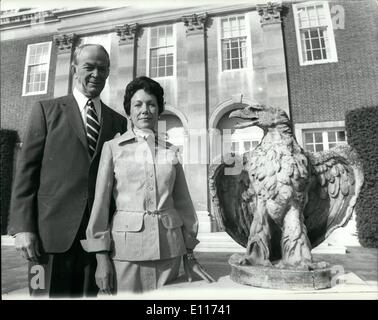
(261,116)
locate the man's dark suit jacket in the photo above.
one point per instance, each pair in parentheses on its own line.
(55,176)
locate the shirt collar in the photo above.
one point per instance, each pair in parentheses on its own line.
(82,100)
(136,133)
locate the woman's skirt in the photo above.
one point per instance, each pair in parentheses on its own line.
(142,276)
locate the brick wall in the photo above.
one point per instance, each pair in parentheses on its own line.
(15,108)
(325,92)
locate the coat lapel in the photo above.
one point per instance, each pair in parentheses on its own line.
(71,109)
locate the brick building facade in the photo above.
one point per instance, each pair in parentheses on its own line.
(210,59)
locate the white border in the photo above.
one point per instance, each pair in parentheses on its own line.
(331,35)
(24,94)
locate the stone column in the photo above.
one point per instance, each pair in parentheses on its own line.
(127,55)
(65,43)
(198,144)
(274,55)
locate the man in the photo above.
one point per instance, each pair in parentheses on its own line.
(55,179)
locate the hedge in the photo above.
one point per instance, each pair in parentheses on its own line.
(8,139)
(362,130)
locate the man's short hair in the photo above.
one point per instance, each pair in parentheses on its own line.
(80,48)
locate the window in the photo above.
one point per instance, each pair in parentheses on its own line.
(36,68)
(161,51)
(315,141)
(315,38)
(233,43)
(243,146)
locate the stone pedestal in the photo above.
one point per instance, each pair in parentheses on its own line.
(275,278)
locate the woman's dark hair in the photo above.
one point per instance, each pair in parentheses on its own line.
(150,86)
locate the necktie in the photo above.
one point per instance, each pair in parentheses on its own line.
(93,127)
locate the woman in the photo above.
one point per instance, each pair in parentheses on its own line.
(155,223)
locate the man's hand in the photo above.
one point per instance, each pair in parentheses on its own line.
(27,245)
(192,265)
(104,273)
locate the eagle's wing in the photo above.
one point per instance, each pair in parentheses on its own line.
(231,197)
(336,180)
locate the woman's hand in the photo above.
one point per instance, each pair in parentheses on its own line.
(104,273)
(192,265)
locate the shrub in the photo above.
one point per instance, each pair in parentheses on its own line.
(8,139)
(362,130)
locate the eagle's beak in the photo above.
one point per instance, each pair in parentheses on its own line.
(249,115)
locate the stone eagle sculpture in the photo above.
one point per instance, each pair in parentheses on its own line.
(283,201)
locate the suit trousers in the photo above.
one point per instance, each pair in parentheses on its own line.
(70,274)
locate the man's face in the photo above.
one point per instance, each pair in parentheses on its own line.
(91,71)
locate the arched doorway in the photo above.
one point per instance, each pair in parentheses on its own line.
(223,137)
(238,140)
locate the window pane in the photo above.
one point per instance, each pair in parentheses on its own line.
(42,86)
(169,71)
(153,63)
(318,137)
(153,72)
(226,65)
(309,56)
(170,60)
(309,147)
(308,45)
(331,136)
(314,33)
(161,61)
(318,147)
(161,72)
(247,145)
(235,63)
(317,54)
(315,43)
(154,42)
(331,145)
(235,53)
(341,136)
(309,137)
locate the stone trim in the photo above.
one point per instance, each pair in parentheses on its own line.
(270,13)
(65,42)
(127,33)
(195,23)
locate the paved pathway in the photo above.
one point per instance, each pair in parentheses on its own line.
(361,265)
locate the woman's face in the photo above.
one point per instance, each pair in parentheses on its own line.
(144,110)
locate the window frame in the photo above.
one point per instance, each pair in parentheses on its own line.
(248,43)
(27,59)
(332,54)
(174,37)
(325,141)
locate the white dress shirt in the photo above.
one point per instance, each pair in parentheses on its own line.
(82,103)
